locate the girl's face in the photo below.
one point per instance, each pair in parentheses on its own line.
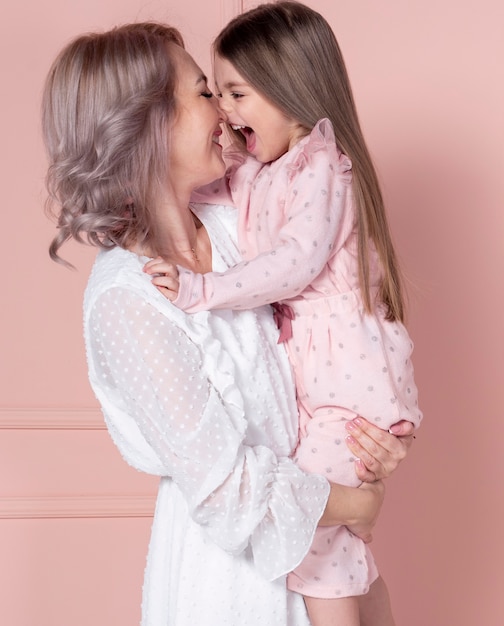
(195,153)
(268,131)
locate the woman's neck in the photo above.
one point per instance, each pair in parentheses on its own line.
(179,238)
(186,244)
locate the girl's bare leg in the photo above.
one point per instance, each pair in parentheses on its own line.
(374,607)
(333,612)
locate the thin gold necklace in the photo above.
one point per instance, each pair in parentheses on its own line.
(198,225)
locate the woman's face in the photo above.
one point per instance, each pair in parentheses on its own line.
(195,153)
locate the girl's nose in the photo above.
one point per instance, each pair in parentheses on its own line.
(224,110)
(222,114)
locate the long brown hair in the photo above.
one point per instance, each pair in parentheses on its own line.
(107,104)
(288,53)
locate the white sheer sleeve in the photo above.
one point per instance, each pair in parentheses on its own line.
(149,377)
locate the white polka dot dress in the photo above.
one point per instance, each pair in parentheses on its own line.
(205,402)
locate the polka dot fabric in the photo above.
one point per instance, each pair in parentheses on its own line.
(206,402)
(298,237)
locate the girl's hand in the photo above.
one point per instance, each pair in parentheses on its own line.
(164,277)
(378,452)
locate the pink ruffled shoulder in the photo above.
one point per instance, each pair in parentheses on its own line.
(320,139)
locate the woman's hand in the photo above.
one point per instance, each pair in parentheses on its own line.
(378,452)
(355,507)
(164,277)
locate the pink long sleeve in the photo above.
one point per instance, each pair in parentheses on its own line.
(299,213)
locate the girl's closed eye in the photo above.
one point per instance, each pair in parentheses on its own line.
(207,94)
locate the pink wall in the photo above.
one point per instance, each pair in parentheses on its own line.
(428,83)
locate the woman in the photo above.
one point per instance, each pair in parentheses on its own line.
(204,401)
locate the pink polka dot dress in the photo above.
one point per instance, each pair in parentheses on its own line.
(298,239)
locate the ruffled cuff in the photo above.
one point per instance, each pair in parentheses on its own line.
(190,289)
(285,534)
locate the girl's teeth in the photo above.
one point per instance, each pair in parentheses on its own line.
(236,126)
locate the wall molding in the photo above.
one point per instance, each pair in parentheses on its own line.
(68,507)
(51,419)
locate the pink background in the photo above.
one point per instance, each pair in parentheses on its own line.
(74,519)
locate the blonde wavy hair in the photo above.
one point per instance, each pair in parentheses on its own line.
(107,104)
(288,53)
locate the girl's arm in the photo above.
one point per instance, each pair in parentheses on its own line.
(318,219)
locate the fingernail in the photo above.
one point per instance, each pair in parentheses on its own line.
(350,426)
(350,440)
(358,421)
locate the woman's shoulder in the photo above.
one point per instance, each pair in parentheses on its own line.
(117,274)
(114,268)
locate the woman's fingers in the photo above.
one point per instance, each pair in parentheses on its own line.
(379,451)
(368,464)
(363,473)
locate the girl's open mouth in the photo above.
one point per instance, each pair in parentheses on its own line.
(248,133)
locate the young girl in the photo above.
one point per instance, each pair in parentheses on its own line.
(314,236)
